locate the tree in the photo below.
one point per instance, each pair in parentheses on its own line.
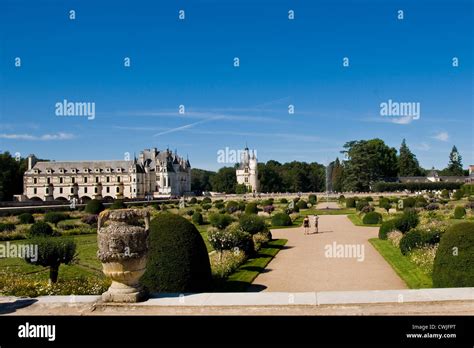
(241,188)
(201,180)
(11,176)
(455,163)
(337,176)
(52,252)
(407,163)
(269,175)
(224,180)
(368,161)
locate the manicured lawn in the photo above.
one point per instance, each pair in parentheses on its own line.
(87,263)
(409,272)
(203,231)
(357,221)
(241,279)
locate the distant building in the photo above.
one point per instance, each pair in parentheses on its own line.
(155,173)
(433,176)
(247,172)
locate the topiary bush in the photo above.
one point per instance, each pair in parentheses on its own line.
(312,199)
(206,200)
(193,200)
(7,227)
(206,206)
(197,218)
(55,217)
(409,219)
(421,202)
(252,223)
(178,261)
(459,212)
(26,218)
(251,208)
(117,204)
(386,227)
(220,220)
(281,219)
(445,194)
(367,209)
(301,204)
(432,206)
(40,229)
(372,218)
(232,207)
(362,204)
(283,201)
(384,203)
(454,261)
(90,219)
(52,252)
(410,240)
(94,206)
(219,205)
(350,202)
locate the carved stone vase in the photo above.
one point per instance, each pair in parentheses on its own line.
(123,248)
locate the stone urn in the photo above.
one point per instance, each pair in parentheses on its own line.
(123,248)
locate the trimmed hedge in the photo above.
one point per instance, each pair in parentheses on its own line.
(386,228)
(197,218)
(40,229)
(454,261)
(301,204)
(252,223)
(408,220)
(251,208)
(312,199)
(281,219)
(26,218)
(117,204)
(220,220)
(94,206)
(350,202)
(372,218)
(459,212)
(361,204)
(178,261)
(232,207)
(7,227)
(54,217)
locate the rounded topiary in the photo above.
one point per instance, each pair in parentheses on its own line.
(445,193)
(252,223)
(41,229)
(220,220)
(206,206)
(206,200)
(193,200)
(197,218)
(386,228)
(7,227)
(350,202)
(454,261)
(55,217)
(302,204)
(232,207)
(411,240)
(117,204)
(372,218)
(312,199)
(178,261)
(281,219)
(251,208)
(384,203)
(26,218)
(219,205)
(283,201)
(459,212)
(94,206)
(409,219)
(362,204)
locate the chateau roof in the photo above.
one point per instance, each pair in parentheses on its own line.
(81,165)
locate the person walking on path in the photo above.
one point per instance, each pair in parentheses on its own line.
(306,225)
(316,218)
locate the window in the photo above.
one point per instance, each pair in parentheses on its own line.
(96,179)
(118,178)
(60,180)
(72,191)
(85,180)
(73,180)
(117,190)
(34,190)
(95,189)
(35,181)
(49,180)
(246,179)
(47,190)
(61,190)
(107,189)
(108,179)
(85,189)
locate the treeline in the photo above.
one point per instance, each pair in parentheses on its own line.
(11,175)
(415,186)
(273,176)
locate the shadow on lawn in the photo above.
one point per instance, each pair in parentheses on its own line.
(11,307)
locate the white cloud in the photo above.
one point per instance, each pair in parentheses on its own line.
(43,137)
(441,136)
(422,147)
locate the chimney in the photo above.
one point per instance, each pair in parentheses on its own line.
(31,161)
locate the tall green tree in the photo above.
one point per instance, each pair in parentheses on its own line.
(11,176)
(270,177)
(201,180)
(224,180)
(337,176)
(368,161)
(407,163)
(455,163)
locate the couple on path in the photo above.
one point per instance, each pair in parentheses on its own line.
(312,221)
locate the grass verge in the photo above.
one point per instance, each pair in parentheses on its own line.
(413,276)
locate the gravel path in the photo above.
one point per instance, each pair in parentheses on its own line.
(304,265)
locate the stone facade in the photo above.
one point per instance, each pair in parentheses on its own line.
(153,174)
(247,172)
(433,176)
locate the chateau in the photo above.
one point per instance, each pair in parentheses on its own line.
(153,174)
(247,172)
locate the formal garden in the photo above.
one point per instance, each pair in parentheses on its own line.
(222,245)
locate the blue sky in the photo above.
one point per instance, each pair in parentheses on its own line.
(190,62)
